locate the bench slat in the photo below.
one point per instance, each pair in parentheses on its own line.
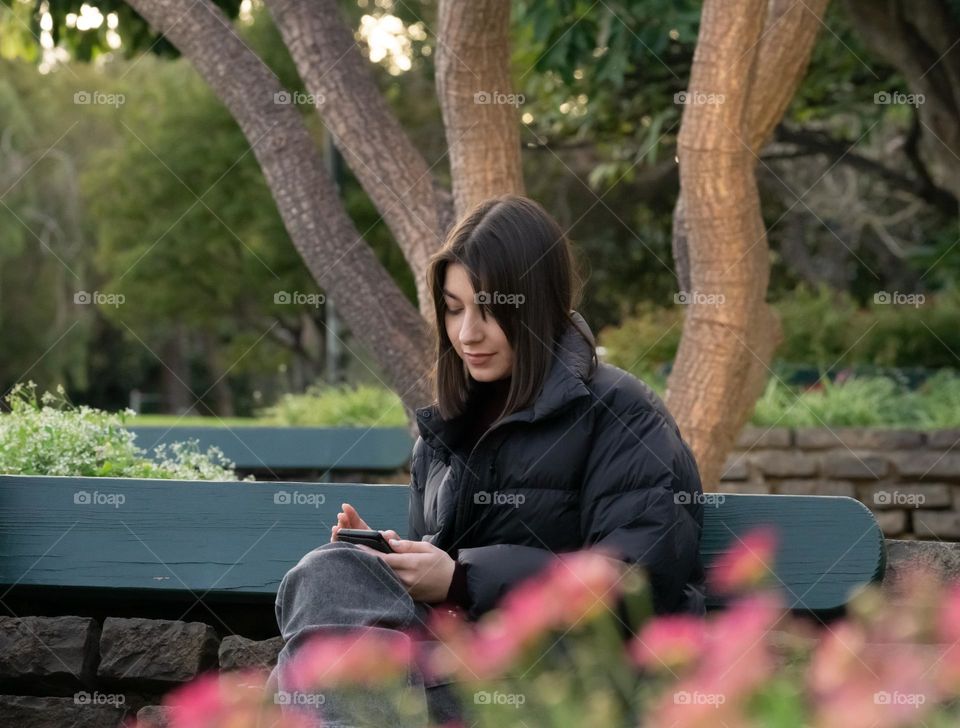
(827,545)
(237,540)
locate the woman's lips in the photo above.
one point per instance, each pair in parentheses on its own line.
(478,358)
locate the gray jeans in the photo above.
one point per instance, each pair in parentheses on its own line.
(339,588)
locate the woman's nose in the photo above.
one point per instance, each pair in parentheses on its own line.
(471,330)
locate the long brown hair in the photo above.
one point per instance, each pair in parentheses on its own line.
(523,274)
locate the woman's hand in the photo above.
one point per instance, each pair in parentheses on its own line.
(425,570)
(347,518)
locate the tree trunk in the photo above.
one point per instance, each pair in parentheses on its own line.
(370,302)
(390,169)
(919,38)
(220,388)
(750,58)
(176,396)
(479,108)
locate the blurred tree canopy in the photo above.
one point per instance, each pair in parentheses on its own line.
(85,195)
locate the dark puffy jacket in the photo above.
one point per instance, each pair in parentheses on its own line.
(597,459)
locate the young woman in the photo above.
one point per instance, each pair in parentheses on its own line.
(532,448)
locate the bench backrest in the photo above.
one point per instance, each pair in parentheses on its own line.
(293,448)
(237,540)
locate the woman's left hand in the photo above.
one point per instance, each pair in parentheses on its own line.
(425,570)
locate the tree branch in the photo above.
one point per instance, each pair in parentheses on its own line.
(391,170)
(474,87)
(374,308)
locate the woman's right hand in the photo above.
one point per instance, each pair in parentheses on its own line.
(347,518)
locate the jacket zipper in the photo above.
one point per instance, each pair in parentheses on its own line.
(465,491)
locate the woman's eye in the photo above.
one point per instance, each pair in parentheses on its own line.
(454,311)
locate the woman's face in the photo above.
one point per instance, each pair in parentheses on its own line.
(470,333)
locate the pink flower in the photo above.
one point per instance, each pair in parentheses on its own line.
(364,657)
(691,705)
(948,619)
(859,684)
(670,642)
(197,702)
(737,657)
(237,700)
(734,661)
(747,564)
(574,587)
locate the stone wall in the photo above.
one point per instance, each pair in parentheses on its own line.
(910,479)
(76,671)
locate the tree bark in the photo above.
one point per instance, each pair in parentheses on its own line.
(476,98)
(391,170)
(374,308)
(751,57)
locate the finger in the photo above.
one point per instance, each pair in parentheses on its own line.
(398,562)
(353,518)
(378,554)
(390,534)
(402,545)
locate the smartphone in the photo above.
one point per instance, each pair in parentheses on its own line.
(373,539)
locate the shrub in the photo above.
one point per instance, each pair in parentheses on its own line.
(821,327)
(323,406)
(47,435)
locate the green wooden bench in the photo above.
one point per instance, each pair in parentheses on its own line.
(279,449)
(235,541)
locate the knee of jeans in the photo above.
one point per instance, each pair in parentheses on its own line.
(320,557)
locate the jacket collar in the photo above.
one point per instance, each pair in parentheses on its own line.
(571,365)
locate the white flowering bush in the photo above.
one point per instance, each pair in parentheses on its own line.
(47,435)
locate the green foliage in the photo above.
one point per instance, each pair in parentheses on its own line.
(645,341)
(360,406)
(822,328)
(46,435)
(183,233)
(856,402)
(862,402)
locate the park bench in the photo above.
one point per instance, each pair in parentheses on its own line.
(266,450)
(229,542)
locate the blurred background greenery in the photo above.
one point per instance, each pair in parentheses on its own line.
(103,198)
